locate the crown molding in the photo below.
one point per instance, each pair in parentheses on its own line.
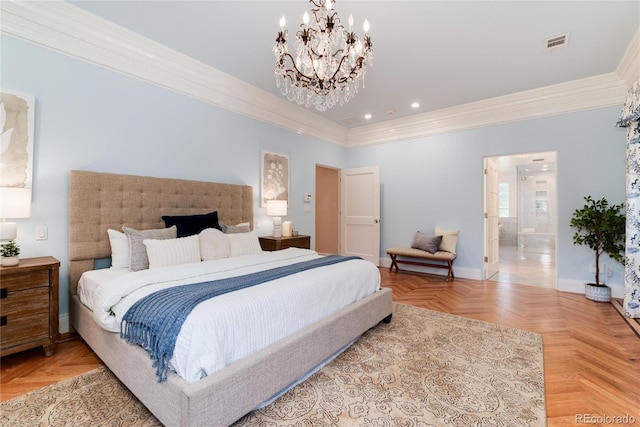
(629,67)
(70,30)
(585,94)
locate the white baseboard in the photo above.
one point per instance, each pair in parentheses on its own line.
(577,287)
(565,285)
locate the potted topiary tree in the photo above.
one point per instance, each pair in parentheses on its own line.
(601,227)
(9,252)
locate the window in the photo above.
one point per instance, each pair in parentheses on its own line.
(503,200)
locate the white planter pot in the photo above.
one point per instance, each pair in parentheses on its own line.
(600,293)
(9,261)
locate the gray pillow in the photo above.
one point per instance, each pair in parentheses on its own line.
(138,259)
(235,229)
(426,242)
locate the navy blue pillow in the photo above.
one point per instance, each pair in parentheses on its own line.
(188,225)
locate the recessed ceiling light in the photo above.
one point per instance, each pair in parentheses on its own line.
(415,105)
(367,116)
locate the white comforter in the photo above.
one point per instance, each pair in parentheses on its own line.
(229,327)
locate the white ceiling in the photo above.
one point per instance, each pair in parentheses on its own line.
(438,53)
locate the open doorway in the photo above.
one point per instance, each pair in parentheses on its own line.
(527,219)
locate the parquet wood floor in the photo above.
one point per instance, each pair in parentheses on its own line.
(591,355)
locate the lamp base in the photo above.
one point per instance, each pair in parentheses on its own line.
(277,227)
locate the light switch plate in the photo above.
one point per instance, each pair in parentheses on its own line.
(42,233)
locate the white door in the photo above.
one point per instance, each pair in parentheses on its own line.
(360,213)
(491,231)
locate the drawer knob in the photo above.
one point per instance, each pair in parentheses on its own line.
(3,320)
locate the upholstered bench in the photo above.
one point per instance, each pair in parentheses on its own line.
(429,259)
(437,251)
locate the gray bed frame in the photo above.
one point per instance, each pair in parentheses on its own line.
(99,201)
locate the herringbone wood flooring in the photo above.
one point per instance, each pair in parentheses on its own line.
(591,355)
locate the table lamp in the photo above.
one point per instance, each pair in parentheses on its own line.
(277,209)
(14,203)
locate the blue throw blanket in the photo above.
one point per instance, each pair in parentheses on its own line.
(155,320)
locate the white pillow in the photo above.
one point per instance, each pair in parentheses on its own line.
(165,252)
(244,244)
(449,239)
(119,249)
(214,244)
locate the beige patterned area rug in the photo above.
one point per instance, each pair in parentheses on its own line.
(425,368)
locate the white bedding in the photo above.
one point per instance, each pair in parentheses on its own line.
(229,327)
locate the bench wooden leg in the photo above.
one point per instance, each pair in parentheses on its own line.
(394,263)
(450,272)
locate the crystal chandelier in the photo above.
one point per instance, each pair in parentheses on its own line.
(330,61)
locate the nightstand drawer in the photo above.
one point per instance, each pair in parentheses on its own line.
(25,317)
(19,281)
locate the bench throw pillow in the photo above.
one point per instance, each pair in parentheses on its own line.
(449,239)
(426,242)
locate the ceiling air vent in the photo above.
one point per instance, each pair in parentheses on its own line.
(557,41)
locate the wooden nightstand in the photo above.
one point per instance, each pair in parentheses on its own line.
(29,305)
(269,243)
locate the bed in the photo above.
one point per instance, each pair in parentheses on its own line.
(101,201)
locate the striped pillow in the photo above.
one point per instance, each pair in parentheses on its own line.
(244,244)
(166,252)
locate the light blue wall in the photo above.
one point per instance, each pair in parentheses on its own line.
(438,180)
(90,118)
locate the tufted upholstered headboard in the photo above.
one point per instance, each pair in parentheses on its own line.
(99,201)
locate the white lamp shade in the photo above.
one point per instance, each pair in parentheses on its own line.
(277,207)
(15,202)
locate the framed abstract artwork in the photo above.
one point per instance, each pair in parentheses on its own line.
(17,113)
(274,177)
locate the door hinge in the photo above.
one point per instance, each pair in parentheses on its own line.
(486,259)
(486,215)
(485,171)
